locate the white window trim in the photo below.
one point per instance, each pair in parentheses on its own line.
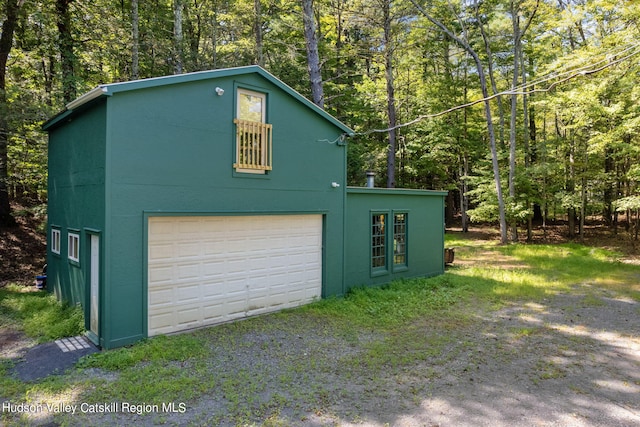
(55,240)
(74,247)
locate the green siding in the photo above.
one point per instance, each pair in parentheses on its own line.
(128,151)
(425,234)
(171,150)
(76,198)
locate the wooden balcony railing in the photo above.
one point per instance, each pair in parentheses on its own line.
(253,145)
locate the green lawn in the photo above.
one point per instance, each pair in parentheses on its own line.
(38,314)
(385,326)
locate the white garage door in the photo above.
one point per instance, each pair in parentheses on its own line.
(206,270)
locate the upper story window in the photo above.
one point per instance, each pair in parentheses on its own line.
(253,134)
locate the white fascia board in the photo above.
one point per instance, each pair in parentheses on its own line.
(89,96)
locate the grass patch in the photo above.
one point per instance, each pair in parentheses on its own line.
(278,362)
(534,272)
(38,314)
(153,383)
(568,264)
(174,348)
(394,304)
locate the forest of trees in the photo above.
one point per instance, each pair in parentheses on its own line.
(525,110)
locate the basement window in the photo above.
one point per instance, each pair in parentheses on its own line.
(74,247)
(55,241)
(253,134)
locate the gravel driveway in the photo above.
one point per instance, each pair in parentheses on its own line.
(572,359)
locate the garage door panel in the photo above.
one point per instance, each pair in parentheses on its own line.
(188,250)
(162,296)
(188,271)
(160,274)
(161,251)
(206,270)
(188,294)
(212,272)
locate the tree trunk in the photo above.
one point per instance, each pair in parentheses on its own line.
(487,111)
(67,54)
(464,165)
(492,80)
(528,157)
(339,4)
(449,210)
(135,36)
(313,57)
(583,204)
(6,42)
(178,65)
(194,35)
(464,200)
(391,103)
(571,211)
(214,37)
(257,30)
(513,121)
(608,196)
(533,147)
(583,207)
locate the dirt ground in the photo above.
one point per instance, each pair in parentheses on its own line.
(23,248)
(22,257)
(571,360)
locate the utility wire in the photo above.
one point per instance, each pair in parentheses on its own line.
(522,89)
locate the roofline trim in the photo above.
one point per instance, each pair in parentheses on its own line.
(404,191)
(88,96)
(112,88)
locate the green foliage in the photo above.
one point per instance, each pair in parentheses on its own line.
(396,303)
(483,196)
(585,138)
(39,314)
(158,349)
(627,203)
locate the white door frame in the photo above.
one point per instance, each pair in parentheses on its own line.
(94,288)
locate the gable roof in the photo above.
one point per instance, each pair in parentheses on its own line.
(113,88)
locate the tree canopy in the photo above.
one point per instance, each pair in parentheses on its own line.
(525,110)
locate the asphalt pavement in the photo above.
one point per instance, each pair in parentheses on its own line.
(52,358)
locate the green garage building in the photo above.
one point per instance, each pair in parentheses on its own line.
(195,199)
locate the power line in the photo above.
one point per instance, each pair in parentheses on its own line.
(522,89)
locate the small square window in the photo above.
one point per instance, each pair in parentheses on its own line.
(74,247)
(55,241)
